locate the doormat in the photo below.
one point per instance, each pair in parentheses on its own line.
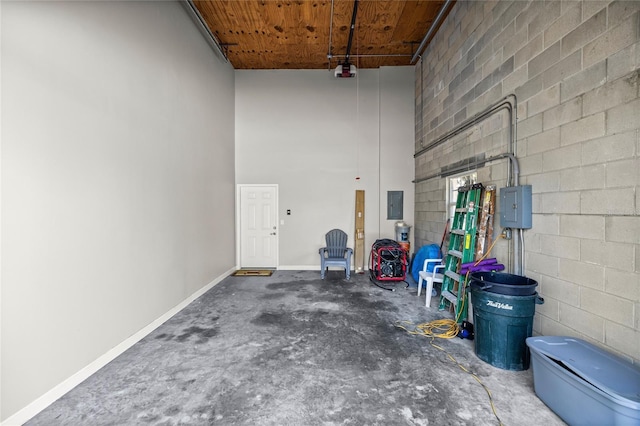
(253,273)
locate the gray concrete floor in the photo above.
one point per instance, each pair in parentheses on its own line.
(292,349)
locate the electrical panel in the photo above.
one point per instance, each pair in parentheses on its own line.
(394,204)
(515,207)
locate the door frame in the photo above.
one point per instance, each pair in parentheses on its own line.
(239,221)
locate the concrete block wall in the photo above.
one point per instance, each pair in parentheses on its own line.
(574,67)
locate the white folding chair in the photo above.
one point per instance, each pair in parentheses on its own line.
(430,278)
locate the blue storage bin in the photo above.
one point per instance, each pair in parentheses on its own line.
(583,384)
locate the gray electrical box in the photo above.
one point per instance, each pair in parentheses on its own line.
(515,207)
(395,204)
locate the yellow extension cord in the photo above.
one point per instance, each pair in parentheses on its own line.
(448,329)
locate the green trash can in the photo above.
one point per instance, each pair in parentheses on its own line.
(502,324)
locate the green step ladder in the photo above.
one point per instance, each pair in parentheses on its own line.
(461,249)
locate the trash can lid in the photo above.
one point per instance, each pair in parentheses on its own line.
(606,371)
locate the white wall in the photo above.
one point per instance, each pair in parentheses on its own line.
(313,135)
(117,180)
(396,151)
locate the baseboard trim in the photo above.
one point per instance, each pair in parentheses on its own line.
(307,268)
(298,268)
(31,410)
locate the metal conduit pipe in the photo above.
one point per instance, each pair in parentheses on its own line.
(521,265)
(372,55)
(502,104)
(421,100)
(518,238)
(431,30)
(197,18)
(516,245)
(329,54)
(474,165)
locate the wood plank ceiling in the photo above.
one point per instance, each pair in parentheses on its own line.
(313,34)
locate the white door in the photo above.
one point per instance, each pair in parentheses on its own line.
(258,226)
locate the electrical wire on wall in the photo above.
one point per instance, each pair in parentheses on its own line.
(379,169)
(448,329)
(357,110)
